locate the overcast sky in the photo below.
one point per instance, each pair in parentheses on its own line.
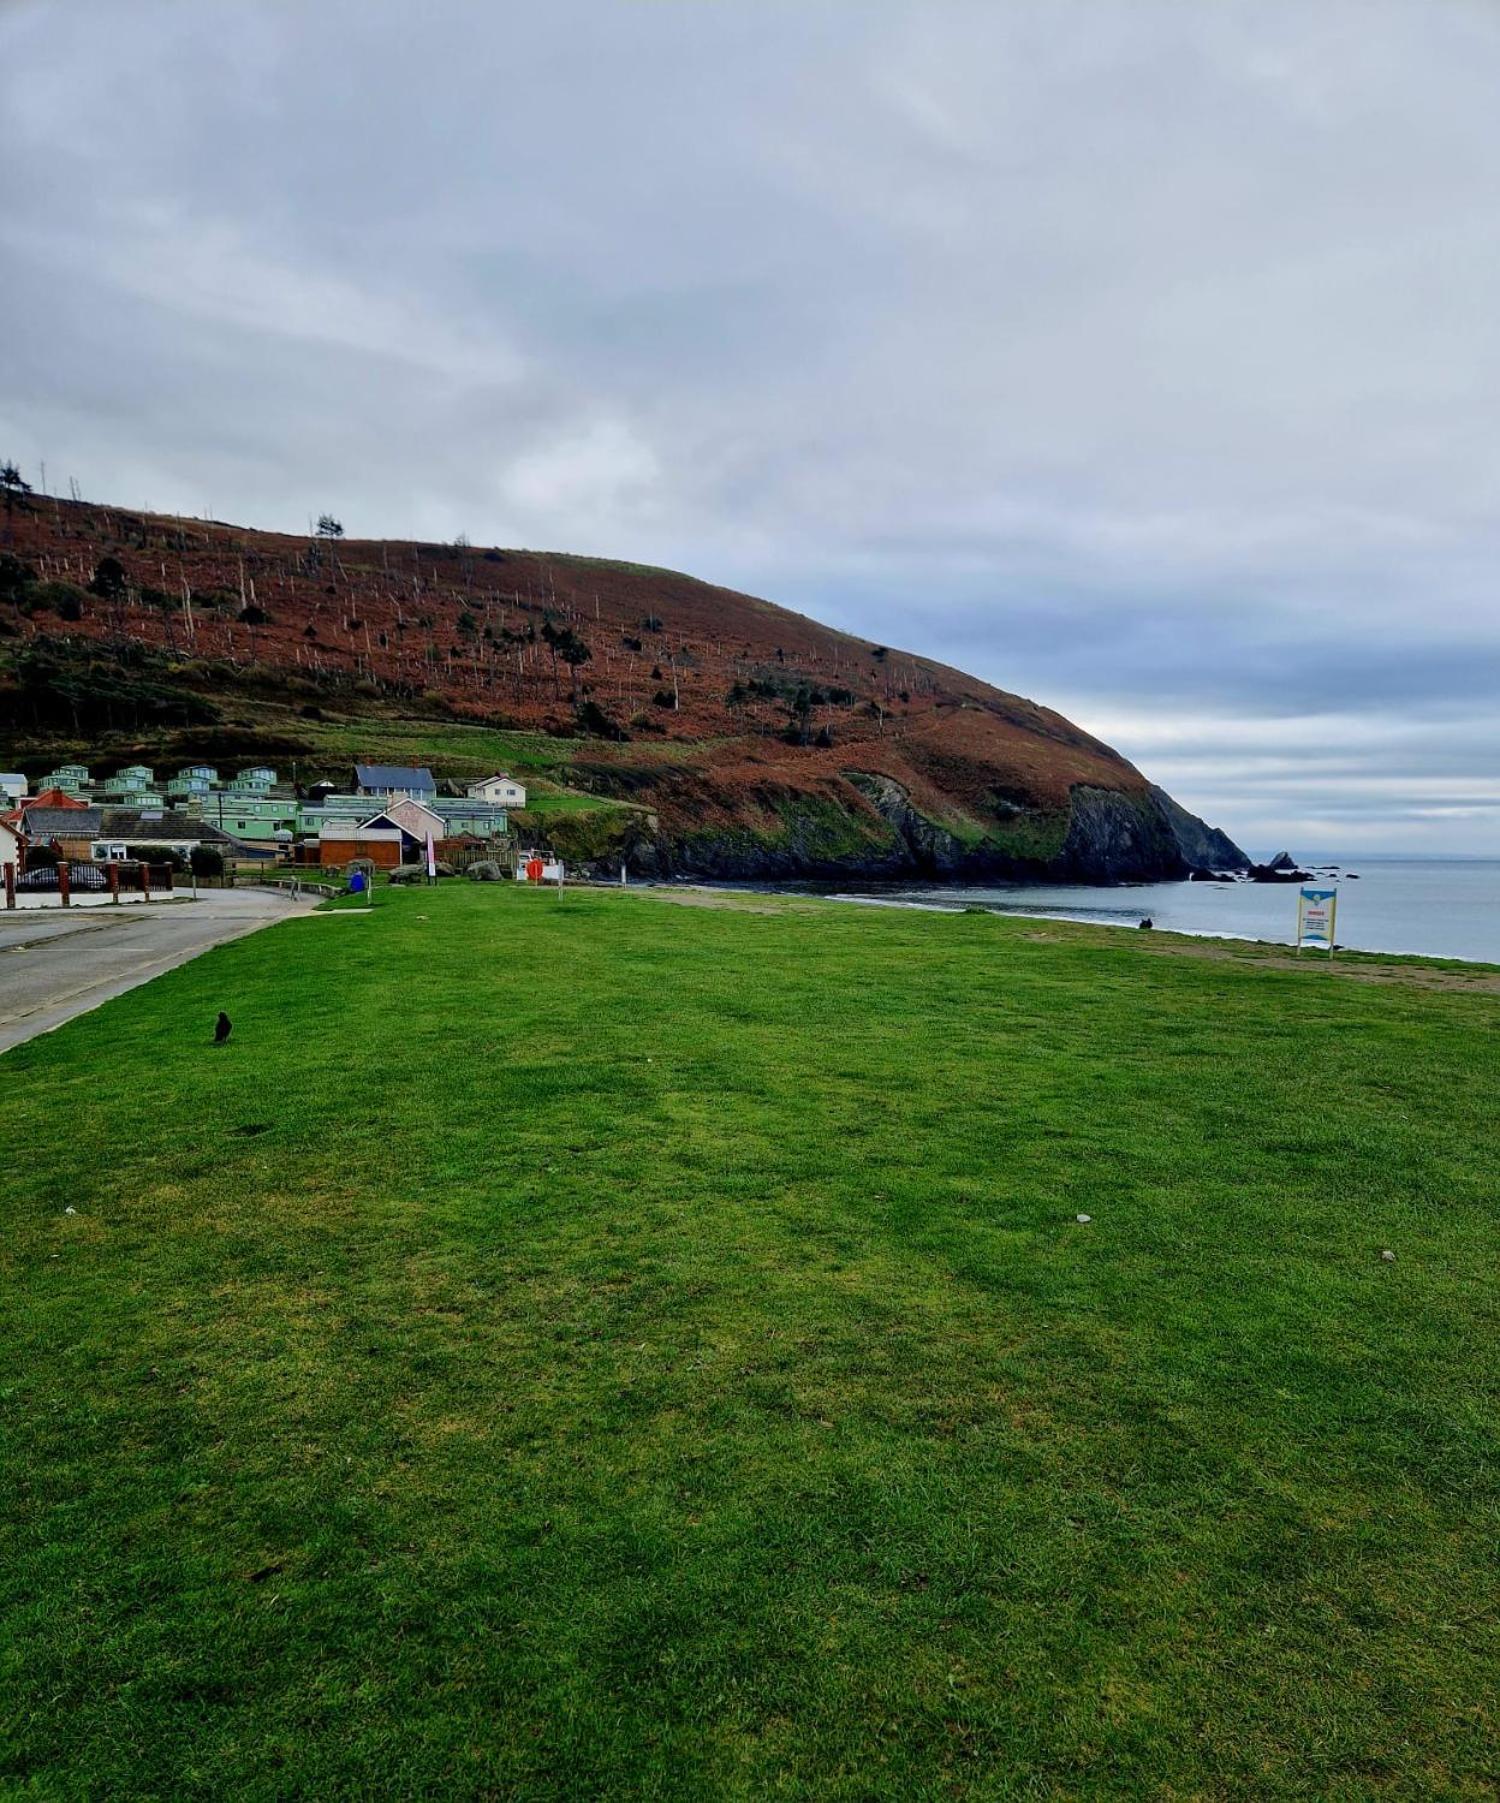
(1141,358)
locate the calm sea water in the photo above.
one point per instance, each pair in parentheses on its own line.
(1441,907)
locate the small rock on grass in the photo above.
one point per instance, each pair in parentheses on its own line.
(1083,1220)
(1388,1256)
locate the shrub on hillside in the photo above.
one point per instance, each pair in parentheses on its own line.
(65,599)
(16,578)
(109,579)
(593,721)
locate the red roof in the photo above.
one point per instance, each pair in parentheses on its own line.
(51,798)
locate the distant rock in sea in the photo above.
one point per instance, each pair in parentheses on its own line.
(1281,869)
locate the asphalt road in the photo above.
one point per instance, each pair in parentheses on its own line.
(56,963)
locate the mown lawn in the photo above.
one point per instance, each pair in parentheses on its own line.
(596,1347)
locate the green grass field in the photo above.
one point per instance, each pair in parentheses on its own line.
(597,1347)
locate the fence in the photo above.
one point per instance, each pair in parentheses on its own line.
(71,877)
(459,854)
(293,884)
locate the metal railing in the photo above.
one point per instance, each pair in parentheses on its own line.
(81,877)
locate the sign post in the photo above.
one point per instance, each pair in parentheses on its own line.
(1317,913)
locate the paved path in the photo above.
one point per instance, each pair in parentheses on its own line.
(62,962)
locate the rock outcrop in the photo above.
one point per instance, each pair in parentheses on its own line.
(1202,846)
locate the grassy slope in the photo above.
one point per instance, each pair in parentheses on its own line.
(649,1351)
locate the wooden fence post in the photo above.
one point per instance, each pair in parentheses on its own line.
(112,877)
(10,885)
(145,880)
(64,882)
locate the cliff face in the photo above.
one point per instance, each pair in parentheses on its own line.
(1204,847)
(750,740)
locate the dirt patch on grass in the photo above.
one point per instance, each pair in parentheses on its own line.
(741,904)
(1358,968)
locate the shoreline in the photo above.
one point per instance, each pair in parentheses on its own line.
(1040,911)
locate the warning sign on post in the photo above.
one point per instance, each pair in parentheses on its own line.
(1316,913)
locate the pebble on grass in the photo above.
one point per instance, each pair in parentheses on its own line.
(1388,1256)
(1083,1220)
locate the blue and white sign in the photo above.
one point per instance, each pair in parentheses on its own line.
(1317,910)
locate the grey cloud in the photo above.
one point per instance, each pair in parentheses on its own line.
(1140,358)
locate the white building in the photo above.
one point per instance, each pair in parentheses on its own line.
(12,786)
(501,788)
(10,853)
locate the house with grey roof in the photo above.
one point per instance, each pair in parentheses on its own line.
(70,832)
(392,781)
(132,833)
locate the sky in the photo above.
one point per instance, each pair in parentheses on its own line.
(1141,358)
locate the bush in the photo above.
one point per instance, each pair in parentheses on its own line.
(109,579)
(41,857)
(206,861)
(254,616)
(15,576)
(64,599)
(593,720)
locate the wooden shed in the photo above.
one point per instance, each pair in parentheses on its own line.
(341,841)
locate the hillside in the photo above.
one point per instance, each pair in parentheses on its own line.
(747,740)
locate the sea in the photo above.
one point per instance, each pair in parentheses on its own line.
(1435,907)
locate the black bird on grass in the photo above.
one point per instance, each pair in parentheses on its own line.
(223,1027)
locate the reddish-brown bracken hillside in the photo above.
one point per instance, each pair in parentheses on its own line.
(803,749)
